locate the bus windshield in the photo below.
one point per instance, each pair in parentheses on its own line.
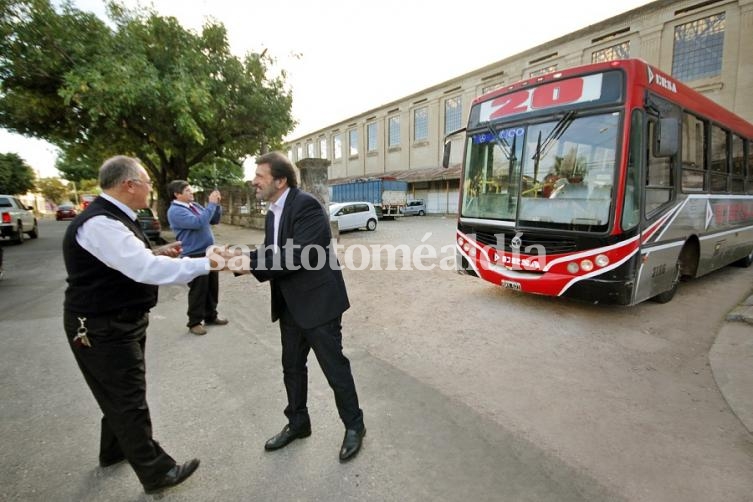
(556,174)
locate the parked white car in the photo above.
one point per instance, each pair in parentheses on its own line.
(350,215)
(16,219)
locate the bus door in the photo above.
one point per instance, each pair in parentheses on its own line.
(658,268)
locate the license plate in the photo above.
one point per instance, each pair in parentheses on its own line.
(511,285)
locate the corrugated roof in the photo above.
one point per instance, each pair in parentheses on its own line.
(409,175)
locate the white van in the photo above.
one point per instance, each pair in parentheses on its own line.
(350,215)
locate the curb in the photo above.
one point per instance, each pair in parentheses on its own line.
(731,360)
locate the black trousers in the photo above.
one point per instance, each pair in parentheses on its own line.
(114,368)
(326,342)
(203,296)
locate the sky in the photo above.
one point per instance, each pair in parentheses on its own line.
(343,57)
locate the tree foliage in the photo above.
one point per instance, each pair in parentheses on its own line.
(76,169)
(53,189)
(16,176)
(145,87)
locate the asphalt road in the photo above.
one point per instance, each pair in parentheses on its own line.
(469,393)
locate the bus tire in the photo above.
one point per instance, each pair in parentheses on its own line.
(667,295)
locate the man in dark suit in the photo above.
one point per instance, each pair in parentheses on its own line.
(308,299)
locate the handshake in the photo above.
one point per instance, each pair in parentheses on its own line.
(234,258)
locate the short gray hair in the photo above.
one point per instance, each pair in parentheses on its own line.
(118,169)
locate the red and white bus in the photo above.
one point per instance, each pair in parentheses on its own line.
(606,183)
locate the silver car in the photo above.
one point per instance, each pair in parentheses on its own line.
(414,207)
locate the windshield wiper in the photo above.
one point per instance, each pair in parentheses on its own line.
(501,143)
(556,133)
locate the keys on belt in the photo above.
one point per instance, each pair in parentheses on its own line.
(81,339)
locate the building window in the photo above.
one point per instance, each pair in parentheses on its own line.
(290,154)
(337,146)
(543,71)
(299,151)
(698,48)
(310,149)
(323,147)
(491,87)
(353,142)
(371,137)
(453,114)
(421,124)
(619,51)
(393,131)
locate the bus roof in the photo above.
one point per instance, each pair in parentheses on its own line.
(644,76)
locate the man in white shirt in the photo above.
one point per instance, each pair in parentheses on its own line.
(113,276)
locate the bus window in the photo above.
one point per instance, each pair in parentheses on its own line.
(632,202)
(719,157)
(693,154)
(658,176)
(749,166)
(737,180)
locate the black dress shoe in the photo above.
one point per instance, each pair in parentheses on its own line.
(107,462)
(351,443)
(285,437)
(217,321)
(174,476)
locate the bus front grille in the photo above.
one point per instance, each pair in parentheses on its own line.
(502,239)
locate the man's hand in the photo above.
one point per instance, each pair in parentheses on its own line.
(172,250)
(215,196)
(229,258)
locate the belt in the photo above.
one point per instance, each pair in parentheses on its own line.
(127,315)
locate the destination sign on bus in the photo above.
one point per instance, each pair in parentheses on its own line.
(599,88)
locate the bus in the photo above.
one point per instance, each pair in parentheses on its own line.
(608,183)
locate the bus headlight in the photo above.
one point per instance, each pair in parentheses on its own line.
(572,267)
(460,242)
(602,260)
(587,265)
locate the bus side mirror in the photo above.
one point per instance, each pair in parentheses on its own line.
(446,154)
(667,135)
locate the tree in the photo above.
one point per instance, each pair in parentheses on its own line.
(76,169)
(16,177)
(147,87)
(54,190)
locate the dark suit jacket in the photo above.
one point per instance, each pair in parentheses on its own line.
(305,275)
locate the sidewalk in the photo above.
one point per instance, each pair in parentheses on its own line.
(731,359)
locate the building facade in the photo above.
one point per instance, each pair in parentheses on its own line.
(707,44)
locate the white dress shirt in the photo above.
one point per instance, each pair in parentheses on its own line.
(276,207)
(112,243)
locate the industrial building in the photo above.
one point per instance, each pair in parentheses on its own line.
(708,45)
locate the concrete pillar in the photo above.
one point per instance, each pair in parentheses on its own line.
(314,178)
(314,181)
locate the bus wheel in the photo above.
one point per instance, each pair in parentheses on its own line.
(667,295)
(745,262)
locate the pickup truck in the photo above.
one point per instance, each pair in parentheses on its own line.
(17,219)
